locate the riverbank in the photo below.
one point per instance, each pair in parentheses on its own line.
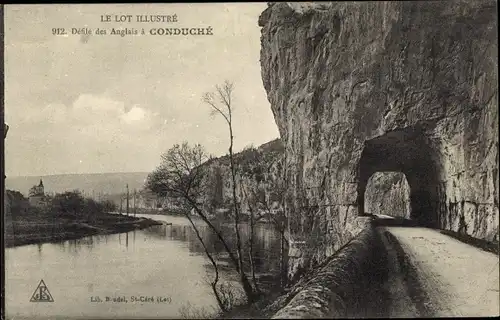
(35,229)
(270,290)
(245,217)
(256,310)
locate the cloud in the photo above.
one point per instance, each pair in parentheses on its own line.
(94,114)
(93,109)
(116,103)
(135,115)
(94,133)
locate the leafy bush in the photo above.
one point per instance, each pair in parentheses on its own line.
(73,202)
(68,202)
(17,202)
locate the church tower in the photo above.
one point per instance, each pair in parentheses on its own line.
(37,195)
(41,188)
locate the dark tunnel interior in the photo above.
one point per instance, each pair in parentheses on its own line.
(405,151)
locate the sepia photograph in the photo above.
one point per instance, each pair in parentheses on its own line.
(259,160)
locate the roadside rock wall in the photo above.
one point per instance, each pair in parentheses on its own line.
(339,286)
(363,87)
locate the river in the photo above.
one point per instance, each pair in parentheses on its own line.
(164,263)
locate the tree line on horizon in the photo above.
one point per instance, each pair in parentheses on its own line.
(65,203)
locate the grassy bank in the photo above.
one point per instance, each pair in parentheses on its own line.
(46,227)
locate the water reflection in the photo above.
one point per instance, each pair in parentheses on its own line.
(266,246)
(160,260)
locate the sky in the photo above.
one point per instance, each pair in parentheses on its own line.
(80,103)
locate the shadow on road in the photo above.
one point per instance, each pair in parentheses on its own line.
(396,222)
(379,221)
(386,221)
(478,243)
(409,274)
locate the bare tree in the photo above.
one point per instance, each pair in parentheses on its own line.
(253,221)
(278,220)
(221,104)
(181,177)
(222,304)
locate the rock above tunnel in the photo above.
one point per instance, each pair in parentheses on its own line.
(344,78)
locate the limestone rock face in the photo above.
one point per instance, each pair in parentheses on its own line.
(388,193)
(258,179)
(363,87)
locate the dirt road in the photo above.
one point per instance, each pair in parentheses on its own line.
(432,274)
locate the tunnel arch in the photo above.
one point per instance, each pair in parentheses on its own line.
(407,151)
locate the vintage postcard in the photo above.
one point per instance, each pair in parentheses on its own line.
(250,160)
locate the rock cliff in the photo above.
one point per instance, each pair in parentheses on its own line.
(259,179)
(364,87)
(388,193)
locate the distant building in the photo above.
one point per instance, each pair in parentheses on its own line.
(37,196)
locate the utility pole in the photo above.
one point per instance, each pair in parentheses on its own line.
(135,207)
(5,130)
(127,200)
(121,205)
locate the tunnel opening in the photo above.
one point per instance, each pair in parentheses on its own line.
(388,193)
(406,151)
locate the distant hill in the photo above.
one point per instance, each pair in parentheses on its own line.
(114,183)
(105,183)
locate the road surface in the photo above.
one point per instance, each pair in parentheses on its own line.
(432,274)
